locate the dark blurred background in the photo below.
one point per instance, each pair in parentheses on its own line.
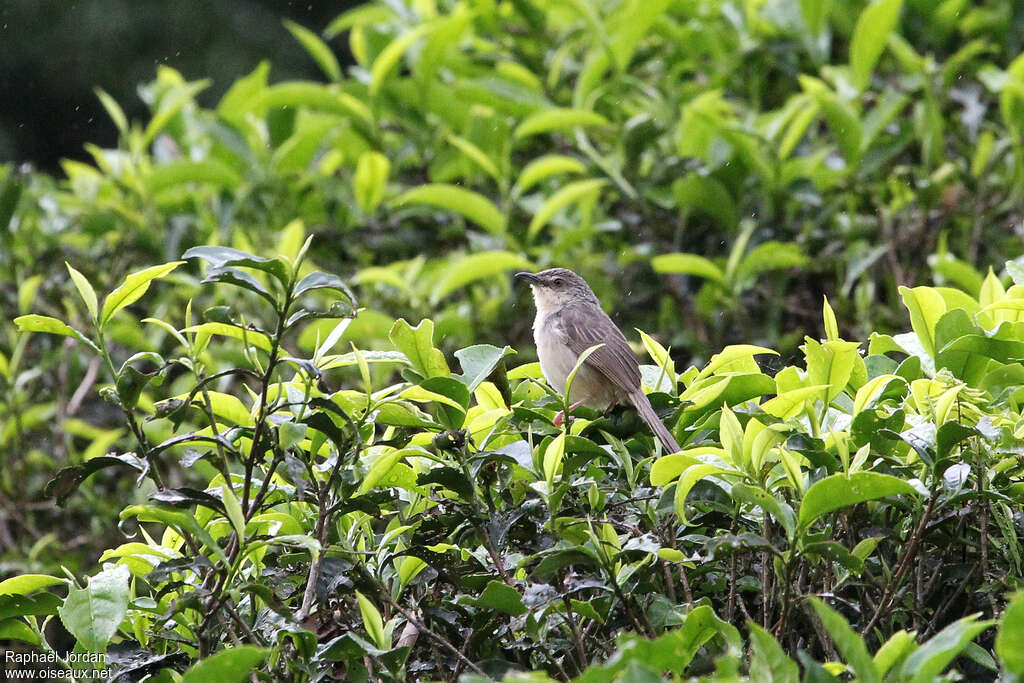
(54,52)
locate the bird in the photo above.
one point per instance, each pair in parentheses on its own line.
(569,321)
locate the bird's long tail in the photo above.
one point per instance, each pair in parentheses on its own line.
(643,406)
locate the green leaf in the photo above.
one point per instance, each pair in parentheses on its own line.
(373,622)
(16,629)
(40,604)
(170,105)
(222,257)
(689,264)
(464,270)
(360,15)
(180,172)
(1002,346)
(844,124)
(239,278)
(417,343)
(182,520)
(476,155)
(572,193)
(872,31)
(815,14)
(788,404)
(756,495)
(369,180)
(382,466)
(251,337)
(735,358)
(708,195)
(553,455)
(667,468)
(132,289)
(630,24)
(671,652)
(557,119)
(314,96)
(957,272)
(389,56)
(1010,640)
(472,205)
(847,641)
(830,364)
(932,658)
(660,355)
(114,111)
(867,393)
(42,323)
(423,395)
(687,480)
(840,490)
(894,650)
(545,167)
(317,49)
(238,100)
(926,307)
(479,361)
(234,511)
(831,325)
(768,661)
(321,280)
(770,256)
(227,666)
(499,597)
(92,614)
(730,433)
(28,583)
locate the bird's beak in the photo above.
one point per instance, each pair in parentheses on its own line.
(529,277)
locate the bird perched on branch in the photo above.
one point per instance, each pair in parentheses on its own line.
(569,321)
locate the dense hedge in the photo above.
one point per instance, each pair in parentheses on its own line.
(250,449)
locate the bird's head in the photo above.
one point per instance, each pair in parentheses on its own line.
(556,287)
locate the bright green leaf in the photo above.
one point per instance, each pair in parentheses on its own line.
(872,31)
(841,490)
(557,119)
(472,205)
(231,665)
(132,289)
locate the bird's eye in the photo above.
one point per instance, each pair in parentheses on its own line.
(558,282)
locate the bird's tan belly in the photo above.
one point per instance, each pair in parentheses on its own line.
(589,386)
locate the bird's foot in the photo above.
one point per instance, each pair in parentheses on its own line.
(560,416)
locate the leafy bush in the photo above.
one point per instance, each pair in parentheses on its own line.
(450,505)
(313,491)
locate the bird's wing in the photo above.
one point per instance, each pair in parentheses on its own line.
(583,326)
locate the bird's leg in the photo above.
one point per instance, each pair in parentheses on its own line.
(560,416)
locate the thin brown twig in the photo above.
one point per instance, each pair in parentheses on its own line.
(437,637)
(890,589)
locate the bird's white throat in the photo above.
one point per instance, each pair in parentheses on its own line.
(545,300)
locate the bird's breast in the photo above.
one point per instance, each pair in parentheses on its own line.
(557,360)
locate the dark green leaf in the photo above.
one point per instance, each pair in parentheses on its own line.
(222,257)
(498,596)
(320,280)
(238,278)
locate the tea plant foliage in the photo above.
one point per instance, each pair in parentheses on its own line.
(267,359)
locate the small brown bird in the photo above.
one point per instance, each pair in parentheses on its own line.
(569,321)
